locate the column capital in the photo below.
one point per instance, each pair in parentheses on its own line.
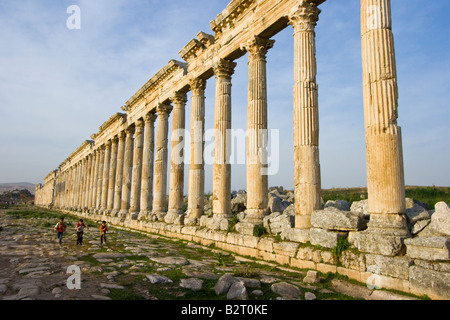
(114,139)
(164,110)
(108,143)
(139,124)
(179,98)
(150,118)
(197,85)
(122,135)
(224,68)
(130,130)
(304,16)
(257,47)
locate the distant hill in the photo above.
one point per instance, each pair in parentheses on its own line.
(5,187)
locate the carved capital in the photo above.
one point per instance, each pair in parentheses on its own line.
(139,123)
(224,68)
(164,110)
(304,16)
(257,47)
(150,118)
(122,135)
(198,86)
(130,130)
(179,98)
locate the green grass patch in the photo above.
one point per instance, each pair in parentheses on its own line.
(120,294)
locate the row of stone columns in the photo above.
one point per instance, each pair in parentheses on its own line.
(128,176)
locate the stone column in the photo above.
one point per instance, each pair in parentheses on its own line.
(127,172)
(119,175)
(307,186)
(112,175)
(147,166)
(87,185)
(84,183)
(257,179)
(105,182)
(196,184)
(135,197)
(384,157)
(160,181)
(98,198)
(175,212)
(223,71)
(93,190)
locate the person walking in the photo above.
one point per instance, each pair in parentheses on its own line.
(103,230)
(60,228)
(80,231)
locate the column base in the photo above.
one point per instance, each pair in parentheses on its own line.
(218,222)
(158,215)
(144,215)
(122,213)
(133,215)
(302,221)
(174,216)
(385,235)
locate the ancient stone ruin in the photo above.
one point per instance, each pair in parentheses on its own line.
(121,174)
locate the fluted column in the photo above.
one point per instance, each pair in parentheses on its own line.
(84,182)
(105,180)
(127,172)
(384,156)
(101,161)
(112,175)
(147,166)
(223,71)
(176,178)
(119,174)
(196,183)
(93,190)
(87,184)
(307,185)
(160,178)
(135,197)
(257,179)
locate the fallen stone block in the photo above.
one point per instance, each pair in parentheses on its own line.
(334,219)
(431,248)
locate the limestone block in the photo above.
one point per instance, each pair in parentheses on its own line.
(397,267)
(296,235)
(418,218)
(431,248)
(435,284)
(378,242)
(360,206)
(276,203)
(354,261)
(286,248)
(309,254)
(237,291)
(275,223)
(337,204)
(325,238)
(440,220)
(266,244)
(244,228)
(334,219)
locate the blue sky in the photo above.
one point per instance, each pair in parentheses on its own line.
(57,86)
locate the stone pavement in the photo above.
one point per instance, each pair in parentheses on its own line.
(135,266)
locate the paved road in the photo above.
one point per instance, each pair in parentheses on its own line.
(134,266)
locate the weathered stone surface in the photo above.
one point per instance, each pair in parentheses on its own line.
(296,235)
(250,283)
(238,201)
(397,267)
(286,290)
(279,222)
(171,260)
(418,218)
(432,248)
(311,277)
(440,220)
(286,248)
(325,238)
(435,284)
(237,291)
(224,283)
(334,219)
(191,284)
(276,203)
(337,204)
(378,242)
(310,296)
(156,278)
(353,261)
(361,206)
